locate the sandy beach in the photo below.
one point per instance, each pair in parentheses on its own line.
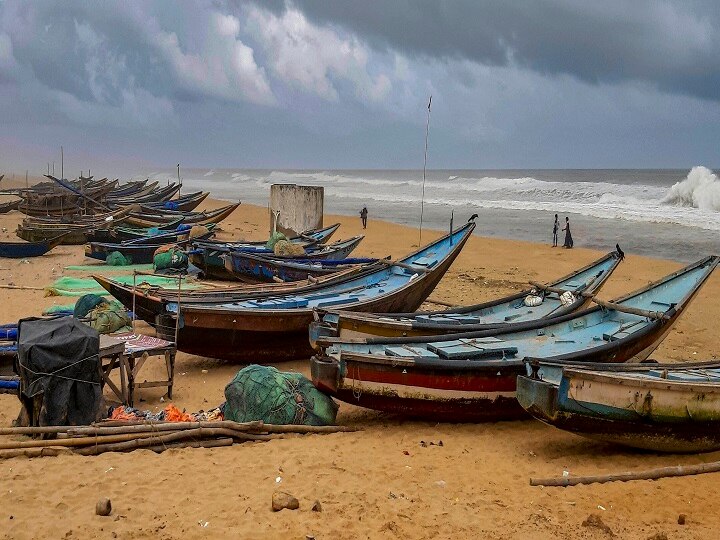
(378,482)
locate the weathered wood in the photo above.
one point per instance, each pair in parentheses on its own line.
(212,443)
(417,270)
(22,287)
(558,290)
(35,452)
(651,474)
(102,429)
(175,436)
(72,441)
(441,303)
(632,310)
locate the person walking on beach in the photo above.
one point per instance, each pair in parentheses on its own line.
(568,237)
(556,226)
(363,216)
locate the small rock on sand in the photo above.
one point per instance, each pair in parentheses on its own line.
(281,500)
(103,507)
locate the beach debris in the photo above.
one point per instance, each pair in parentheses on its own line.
(441,483)
(317,507)
(658,536)
(103,507)
(681,519)
(203,524)
(282,499)
(595,521)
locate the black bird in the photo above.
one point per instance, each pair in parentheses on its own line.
(620,252)
(472,217)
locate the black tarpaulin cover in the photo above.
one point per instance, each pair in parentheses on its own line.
(58,358)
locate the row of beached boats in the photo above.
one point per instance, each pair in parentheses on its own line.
(555,350)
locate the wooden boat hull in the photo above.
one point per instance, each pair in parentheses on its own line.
(249,266)
(209,255)
(9,206)
(19,250)
(196,218)
(138,253)
(383,373)
(72,236)
(662,417)
(437,393)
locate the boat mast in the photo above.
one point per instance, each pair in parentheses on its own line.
(422,200)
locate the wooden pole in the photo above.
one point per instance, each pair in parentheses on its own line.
(651,474)
(557,290)
(441,303)
(632,310)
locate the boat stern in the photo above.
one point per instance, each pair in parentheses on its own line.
(537,397)
(325,373)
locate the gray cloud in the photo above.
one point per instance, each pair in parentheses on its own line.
(673,45)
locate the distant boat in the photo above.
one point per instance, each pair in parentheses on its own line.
(664,408)
(258,267)
(472,376)
(21,250)
(577,287)
(208,256)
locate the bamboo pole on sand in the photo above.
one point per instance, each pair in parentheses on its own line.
(156,436)
(651,474)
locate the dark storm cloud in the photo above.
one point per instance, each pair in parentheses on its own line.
(673,45)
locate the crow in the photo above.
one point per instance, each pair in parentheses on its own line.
(472,217)
(620,252)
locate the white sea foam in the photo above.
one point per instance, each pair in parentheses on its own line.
(701,189)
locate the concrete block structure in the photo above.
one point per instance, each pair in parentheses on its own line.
(300,207)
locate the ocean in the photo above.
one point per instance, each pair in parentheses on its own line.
(669,214)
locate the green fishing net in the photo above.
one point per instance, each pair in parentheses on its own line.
(264,393)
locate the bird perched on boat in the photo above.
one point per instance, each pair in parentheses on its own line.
(620,252)
(472,217)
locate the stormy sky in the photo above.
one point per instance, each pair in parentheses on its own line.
(126,86)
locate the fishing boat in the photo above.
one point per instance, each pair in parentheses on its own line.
(208,255)
(258,267)
(140,219)
(140,251)
(9,206)
(149,301)
(274,328)
(119,233)
(262,269)
(663,408)
(543,301)
(472,376)
(22,250)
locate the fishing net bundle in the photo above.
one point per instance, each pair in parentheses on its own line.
(274,238)
(197,230)
(171,259)
(274,397)
(115,258)
(285,247)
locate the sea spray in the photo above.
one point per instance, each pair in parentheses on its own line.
(701,189)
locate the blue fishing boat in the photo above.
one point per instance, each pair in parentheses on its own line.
(22,250)
(543,301)
(139,251)
(664,408)
(254,268)
(472,375)
(208,255)
(272,328)
(257,267)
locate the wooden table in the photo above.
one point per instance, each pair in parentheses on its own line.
(129,352)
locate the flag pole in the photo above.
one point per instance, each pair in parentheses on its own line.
(422,200)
